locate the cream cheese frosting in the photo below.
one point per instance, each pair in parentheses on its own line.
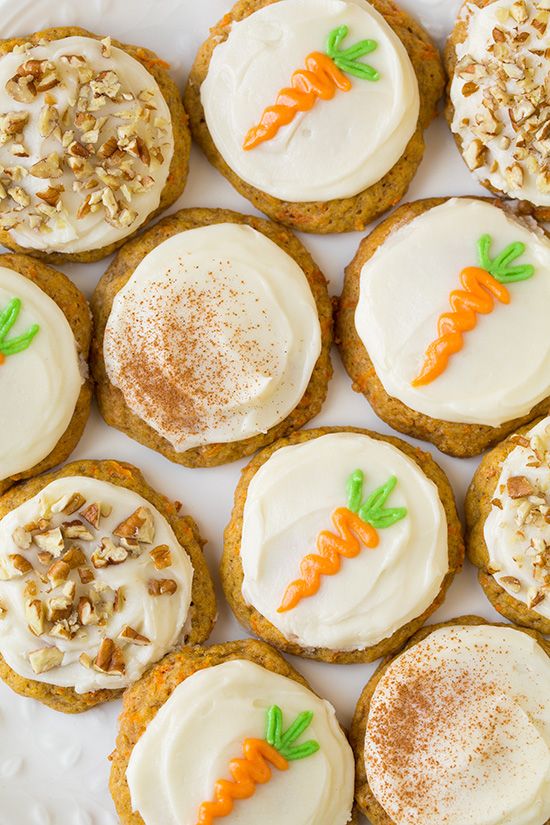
(503,370)
(200,729)
(104,594)
(224,296)
(365,130)
(517,529)
(98,120)
(39,387)
(290,500)
(501,97)
(458,730)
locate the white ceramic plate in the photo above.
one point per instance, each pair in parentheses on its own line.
(54,768)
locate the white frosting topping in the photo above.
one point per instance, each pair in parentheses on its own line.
(161,619)
(223,296)
(364,130)
(458,731)
(200,729)
(501,96)
(517,530)
(124,104)
(290,501)
(39,386)
(503,370)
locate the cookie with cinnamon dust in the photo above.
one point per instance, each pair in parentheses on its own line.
(212,337)
(463,693)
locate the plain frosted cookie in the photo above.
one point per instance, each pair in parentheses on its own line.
(456,729)
(443,321)
(279,87)
(232,731)
(94,143)
(211,287)
(341,543)
(45,392)
(508,519)
(499,98)
(100,577)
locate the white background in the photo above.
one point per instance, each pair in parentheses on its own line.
(53,768)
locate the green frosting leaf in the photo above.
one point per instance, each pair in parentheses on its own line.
(8,317)
(348,60)
(501,267)
(284,741)
(373,510)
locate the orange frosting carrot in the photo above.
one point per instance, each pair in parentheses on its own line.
(352,531)
(318,81)
(248,772)
(2,359)
(480,290)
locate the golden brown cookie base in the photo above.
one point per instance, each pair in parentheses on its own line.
(460,440)
(232,570)
(144,699)
(346,214)
(203,604)
(458,36)
(75,308)
(477,509)
(363,795)
(111,402)
(179,166)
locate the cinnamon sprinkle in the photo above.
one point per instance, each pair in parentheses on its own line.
(180,363)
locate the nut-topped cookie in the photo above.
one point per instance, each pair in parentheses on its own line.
(93,143)
(443,321)
(45,392)
(508,518)
(230,731)
(341,543)
(279,87)
(455,729)
(213,334)
(99,578)
(499,97)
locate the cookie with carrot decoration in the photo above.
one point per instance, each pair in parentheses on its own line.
(280,86)
(230,733)
(443,324)
(45,393)
(341,543)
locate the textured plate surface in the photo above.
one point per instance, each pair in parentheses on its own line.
(54,769)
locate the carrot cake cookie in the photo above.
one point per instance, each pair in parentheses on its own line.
(99,578)
(281,87)
(213,335)
(443,321)
(230,731)
(342,542)
(93,143)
